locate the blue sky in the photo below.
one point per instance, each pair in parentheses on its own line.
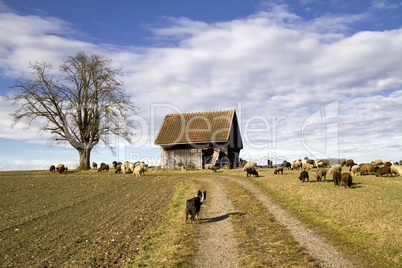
(307,78)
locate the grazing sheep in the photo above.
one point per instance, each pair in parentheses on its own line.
(306,166)
(323,163)
(286,164)
(303,176)
(104,167)
(383,170)
(249,164)
(397,169)
(278,169)
(337,178)
(118,169)
(320,174)
(350,163)
(94,165)
(366,168)
(138,171)
(62,169)
(388,164)
(296,165)
(114,164)
(252,171)
(377,162)
(355,170)
(58,166)
(335,168)
(126,167)
(52,168)
(346,179)
(343,162)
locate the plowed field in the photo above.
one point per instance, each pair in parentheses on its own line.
(77,219)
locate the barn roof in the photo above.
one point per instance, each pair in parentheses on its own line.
(198,127)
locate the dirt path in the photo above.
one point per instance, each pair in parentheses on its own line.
(217,243)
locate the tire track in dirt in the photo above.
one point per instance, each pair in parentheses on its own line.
(312,242)
(216,245)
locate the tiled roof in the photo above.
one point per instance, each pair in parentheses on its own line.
(196,127)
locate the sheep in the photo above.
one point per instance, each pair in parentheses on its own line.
(252,171)
(306,166)
(346,179)
(383,170)
(104,167)
(303,176)
(58,166)
(114,164)
(278,170)
(320,174)
(366,168)
(286,164)
(335,168)
(138,171)
(52,168)
(343,162)
(118,169)
(336,177)
(296,165)
(126,167)
(94,165)
(350,163)
(323,163)
(377,162)
(249,164)
(62,169)
(397,169)
(388,164)
(355,170)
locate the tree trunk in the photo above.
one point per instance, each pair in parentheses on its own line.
(84,158)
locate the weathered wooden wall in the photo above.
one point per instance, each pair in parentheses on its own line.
(171,158)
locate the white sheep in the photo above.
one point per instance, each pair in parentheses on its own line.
(306,166)
(126,167)
(355,170)
(335,168)
(296,165)
(249,164)
(138,171)
(396,169)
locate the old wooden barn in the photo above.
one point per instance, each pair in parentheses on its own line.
(196,139)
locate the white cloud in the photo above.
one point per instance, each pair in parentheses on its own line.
(271,64)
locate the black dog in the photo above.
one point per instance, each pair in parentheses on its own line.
(193,205)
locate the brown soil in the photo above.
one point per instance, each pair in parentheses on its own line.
(102,228)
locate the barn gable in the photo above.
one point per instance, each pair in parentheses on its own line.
(199,139)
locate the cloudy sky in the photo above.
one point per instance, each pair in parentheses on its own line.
(307,78)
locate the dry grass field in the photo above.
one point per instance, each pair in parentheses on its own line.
(106,219)
(364,220)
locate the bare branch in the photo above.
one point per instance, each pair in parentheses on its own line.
(82,106)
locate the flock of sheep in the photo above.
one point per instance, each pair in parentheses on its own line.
(378,168)
(58,168)
(137,168)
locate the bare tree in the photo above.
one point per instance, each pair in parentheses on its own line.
(82,106)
